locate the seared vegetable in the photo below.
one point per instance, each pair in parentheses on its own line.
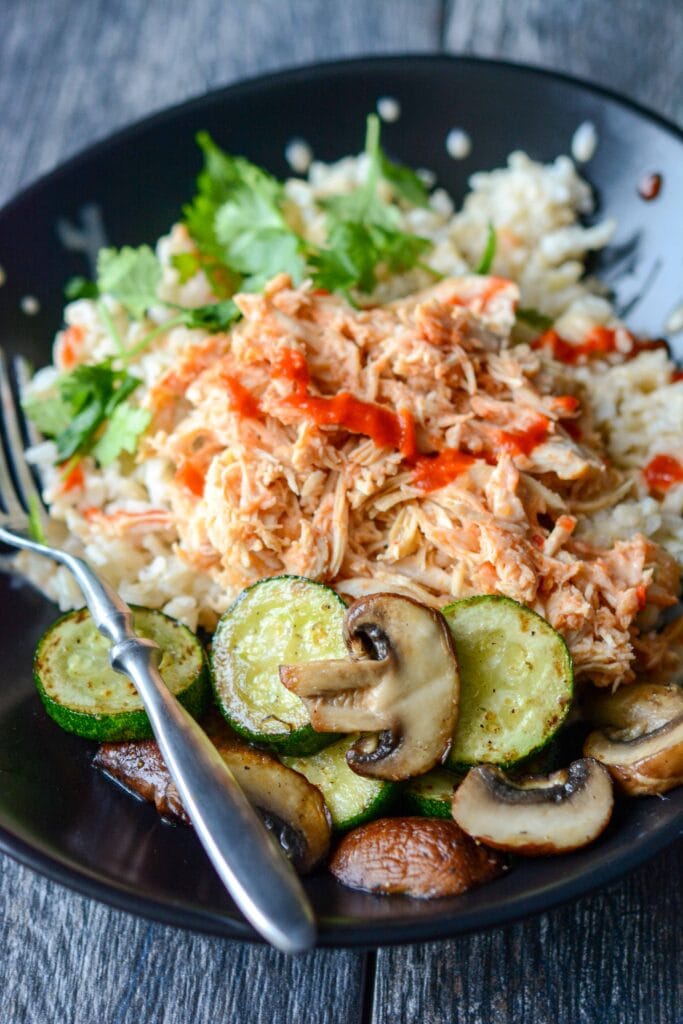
(431,794)
(516,681)
(641,742)
(282,619)
(400,683)
(290,806)
(424,857)
(83,694)
(536,816)
(349,797)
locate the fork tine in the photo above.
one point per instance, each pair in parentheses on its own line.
(17,485)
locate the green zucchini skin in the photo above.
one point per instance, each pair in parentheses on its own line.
(516,681)
(431,795)
(103,719)
(351,799)
(276,620)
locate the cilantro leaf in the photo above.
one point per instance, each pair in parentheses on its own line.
(363,231)
(49,412)
(237,222)
(80,288)
(404,181)
(130,275)
(256,239)
(487,257)
(533,318)
(217,317)
(121,433)
(187,264)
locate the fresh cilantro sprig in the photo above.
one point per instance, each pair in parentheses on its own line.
(363,229)
(88,413)
(237,221)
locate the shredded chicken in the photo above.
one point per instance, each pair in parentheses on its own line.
(264,485)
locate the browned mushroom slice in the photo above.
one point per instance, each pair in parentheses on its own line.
(536,816)
(291,808)
(423,857)
(401,683)
(641,742)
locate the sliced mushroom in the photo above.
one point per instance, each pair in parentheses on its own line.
(540,815)
(401,683)
(423,857)
(291,808)
(641,742)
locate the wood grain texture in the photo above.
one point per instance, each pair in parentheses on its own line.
(71,72)
(633,46)
(612,958)
(69,960)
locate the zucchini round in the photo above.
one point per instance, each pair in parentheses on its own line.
(351,799)
(431,795)
(516,681)
(84,695)
(277,621)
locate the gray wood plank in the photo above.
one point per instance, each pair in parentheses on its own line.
(71,73)
(633,46)
(71,960)
(607,959)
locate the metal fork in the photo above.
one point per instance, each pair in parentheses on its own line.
(256,873)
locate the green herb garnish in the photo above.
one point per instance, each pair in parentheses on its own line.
(89,413)
(35,521)
(532,318)
(362,229)
(487,257)
(80,288)
(131,276)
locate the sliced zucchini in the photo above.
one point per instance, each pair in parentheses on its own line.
(516,681)
(83,694)
(350,798)
(431,795)
(281,620)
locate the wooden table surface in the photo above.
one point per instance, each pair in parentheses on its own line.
(70,73)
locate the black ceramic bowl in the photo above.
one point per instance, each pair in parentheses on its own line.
(57,814)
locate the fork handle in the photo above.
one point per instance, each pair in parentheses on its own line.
(255,872)
(262,882)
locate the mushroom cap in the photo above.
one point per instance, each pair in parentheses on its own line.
(423,857)
(401,684)
(644,765)
(537,816)
(641,739)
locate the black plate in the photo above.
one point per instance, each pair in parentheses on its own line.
(56,813)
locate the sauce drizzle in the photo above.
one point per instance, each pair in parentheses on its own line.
(649,187)
(663,472)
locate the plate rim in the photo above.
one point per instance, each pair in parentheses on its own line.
(336,933)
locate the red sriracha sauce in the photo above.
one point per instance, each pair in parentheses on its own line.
(650,186)
(389,429)
(241,399)
(435,471)
(290,364)
(663,472)
(600,341)
(523,442)
(386,428)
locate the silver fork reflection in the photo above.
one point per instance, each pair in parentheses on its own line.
(252,867)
